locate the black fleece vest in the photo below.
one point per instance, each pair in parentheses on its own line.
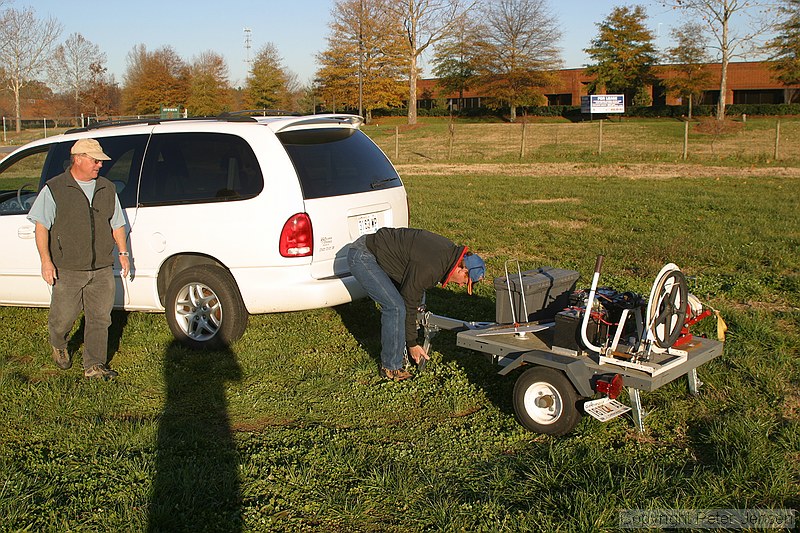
(81,236)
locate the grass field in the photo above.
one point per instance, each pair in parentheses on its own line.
(291,430)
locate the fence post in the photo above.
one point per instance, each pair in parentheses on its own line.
(522,144)
(44,121)
(777,138)
(685,139)
(4,130)
(452,130)
(600,139)
(397,143)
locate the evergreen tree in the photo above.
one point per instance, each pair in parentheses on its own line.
(267,83)
(785,47)
(623,54)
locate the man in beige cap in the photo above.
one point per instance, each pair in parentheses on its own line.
(79,221)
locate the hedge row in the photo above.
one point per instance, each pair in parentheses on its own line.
(574,112)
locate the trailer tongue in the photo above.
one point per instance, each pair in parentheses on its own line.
(582,349)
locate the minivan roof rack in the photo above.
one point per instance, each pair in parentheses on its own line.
(153,121)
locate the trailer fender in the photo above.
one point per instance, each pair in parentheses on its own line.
(576,371)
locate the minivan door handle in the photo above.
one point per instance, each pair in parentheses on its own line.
(26,232)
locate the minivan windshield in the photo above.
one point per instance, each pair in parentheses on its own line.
(337,161)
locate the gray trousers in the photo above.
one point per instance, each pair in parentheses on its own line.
(91,291)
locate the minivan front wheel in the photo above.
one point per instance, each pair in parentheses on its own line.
(204,308)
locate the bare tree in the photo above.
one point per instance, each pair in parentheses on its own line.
(520,51)
(425,22)
(717,15)
(70,69)
(26,44)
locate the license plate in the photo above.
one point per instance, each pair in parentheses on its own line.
(367,224)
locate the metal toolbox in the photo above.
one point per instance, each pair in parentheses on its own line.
(546,291)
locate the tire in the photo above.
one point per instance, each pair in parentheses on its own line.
(546,402)
(204,308)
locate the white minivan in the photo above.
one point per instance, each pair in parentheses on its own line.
(228,216)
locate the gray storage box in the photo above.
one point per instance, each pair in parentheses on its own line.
(546,291)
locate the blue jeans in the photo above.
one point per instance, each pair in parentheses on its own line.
(90,291)
(380,288)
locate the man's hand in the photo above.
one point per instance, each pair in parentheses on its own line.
(418,353)
(49,273)
(125,264)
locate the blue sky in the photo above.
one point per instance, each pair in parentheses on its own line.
(297,27)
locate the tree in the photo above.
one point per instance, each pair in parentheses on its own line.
(102,94)
(70,69)
(424,22)
(717,15)
(209,90)
(785,46)
(456,61)
(26,44)
(519,51)
(154,80)
(624,54)
(689,56)
(267,85)
(363,63)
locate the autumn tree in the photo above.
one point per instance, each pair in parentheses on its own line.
(424,23)
(101,95)
(363,64)
(623,55)
(70,69)
(26,44)
(267,85)
(729,41)
(154,80)
(689,55)
(209,90)
(785,46)
(456,61)
(519,51)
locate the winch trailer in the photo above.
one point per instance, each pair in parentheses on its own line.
(640,352)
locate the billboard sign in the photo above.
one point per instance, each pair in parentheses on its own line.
(603,103)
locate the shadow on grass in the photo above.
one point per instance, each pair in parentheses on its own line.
(196,485)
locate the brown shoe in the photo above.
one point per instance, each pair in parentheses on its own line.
(395,375)
(61,358)
(100,371)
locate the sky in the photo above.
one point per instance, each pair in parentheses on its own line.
(298,28)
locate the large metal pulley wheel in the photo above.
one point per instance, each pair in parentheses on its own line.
(666,308)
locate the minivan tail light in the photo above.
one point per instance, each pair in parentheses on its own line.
(297,238)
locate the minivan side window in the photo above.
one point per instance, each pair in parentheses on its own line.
(125,151)
(19,180)
(199,167)
(337,161)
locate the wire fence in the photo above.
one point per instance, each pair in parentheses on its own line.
(761,140)
(32,128)
(751,140)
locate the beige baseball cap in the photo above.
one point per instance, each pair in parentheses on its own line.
(91,148)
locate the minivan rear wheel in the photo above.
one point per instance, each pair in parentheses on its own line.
(204,308)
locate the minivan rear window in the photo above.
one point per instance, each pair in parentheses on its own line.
(337,161)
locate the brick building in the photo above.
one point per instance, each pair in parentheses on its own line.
(749,82)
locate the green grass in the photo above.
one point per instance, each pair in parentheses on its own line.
(625,141)
(291,429)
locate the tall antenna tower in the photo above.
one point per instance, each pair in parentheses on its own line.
(247,35)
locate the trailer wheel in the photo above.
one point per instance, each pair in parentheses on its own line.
(545,401)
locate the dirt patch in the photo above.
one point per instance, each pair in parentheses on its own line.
(631,171)
(547,201)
